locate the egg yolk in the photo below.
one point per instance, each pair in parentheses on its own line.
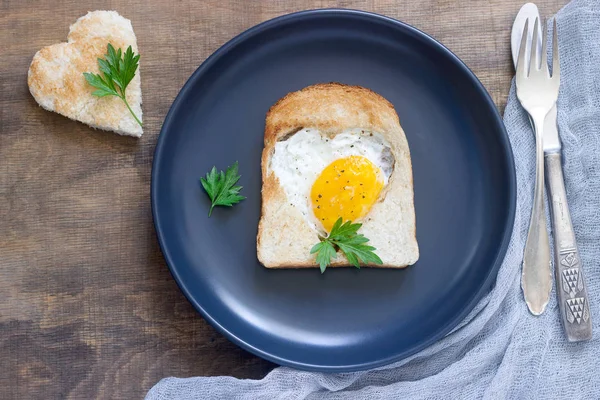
(347,188)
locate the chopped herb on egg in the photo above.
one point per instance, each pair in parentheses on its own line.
(344,237)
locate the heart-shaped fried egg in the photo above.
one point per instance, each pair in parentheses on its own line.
(327,177)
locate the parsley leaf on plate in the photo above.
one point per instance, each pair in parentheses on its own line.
(221,188)
(345,237)
(118,70)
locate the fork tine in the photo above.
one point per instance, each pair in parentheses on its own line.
(555,57)
(544,55)
(534,65)
(521,59)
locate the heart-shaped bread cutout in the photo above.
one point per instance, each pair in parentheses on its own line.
(56,78)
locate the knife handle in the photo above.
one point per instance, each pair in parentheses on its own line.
(571,289)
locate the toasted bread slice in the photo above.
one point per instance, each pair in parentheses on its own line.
(284,235)
(56,78)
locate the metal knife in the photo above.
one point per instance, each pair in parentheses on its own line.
(571,289)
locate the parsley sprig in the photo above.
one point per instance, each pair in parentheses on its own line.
(345,237)
(221,188)
(118,69)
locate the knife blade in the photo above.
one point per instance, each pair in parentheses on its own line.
(528,11)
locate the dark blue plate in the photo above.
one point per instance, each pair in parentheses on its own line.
(345,319)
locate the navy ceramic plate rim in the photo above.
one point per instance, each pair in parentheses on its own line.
(497,122)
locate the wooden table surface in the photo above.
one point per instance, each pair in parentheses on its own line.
(88,308)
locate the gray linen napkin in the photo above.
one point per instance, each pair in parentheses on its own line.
(500,351)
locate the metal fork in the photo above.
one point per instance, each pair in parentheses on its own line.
(537,91)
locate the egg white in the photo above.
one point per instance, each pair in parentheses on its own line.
(299,160)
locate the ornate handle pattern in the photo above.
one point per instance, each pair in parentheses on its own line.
(570,284)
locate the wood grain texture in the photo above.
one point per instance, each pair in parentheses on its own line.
(88,308)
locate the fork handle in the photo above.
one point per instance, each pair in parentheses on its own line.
(536,278)
(570,285)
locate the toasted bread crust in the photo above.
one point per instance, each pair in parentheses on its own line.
(56,80)
(319,102)
(284,237)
